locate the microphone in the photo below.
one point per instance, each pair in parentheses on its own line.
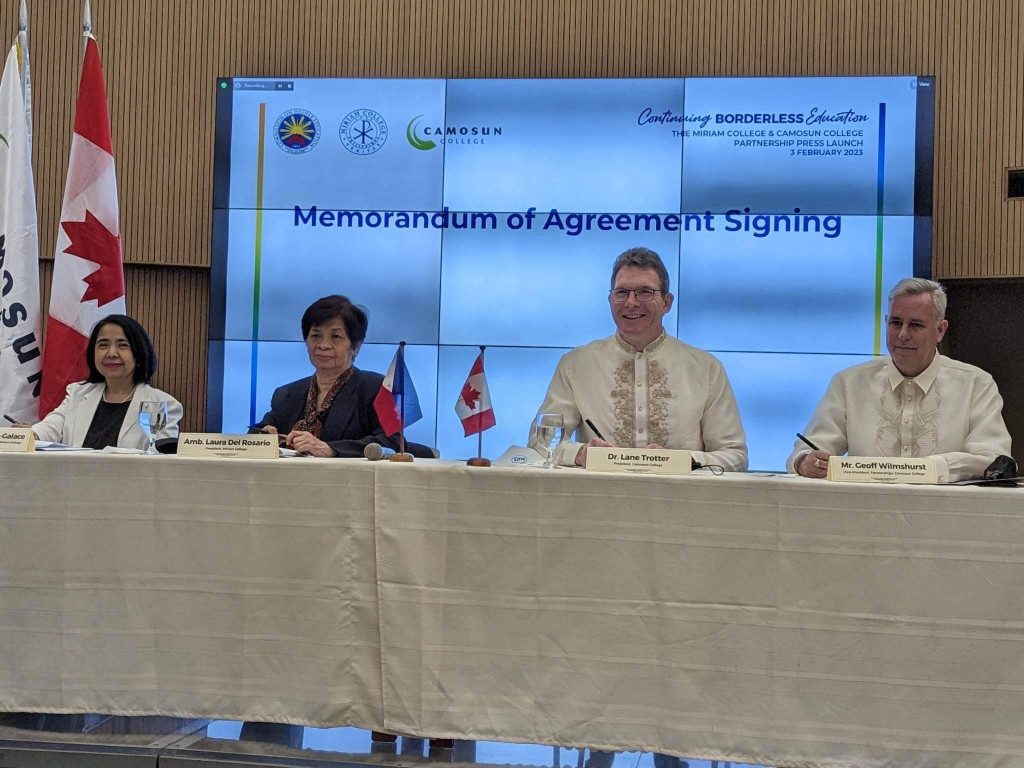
(376,452)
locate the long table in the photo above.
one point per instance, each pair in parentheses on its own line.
(769,620)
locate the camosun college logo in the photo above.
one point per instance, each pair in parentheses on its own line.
(363,131)
(298,131)
(414,137)
(415,132)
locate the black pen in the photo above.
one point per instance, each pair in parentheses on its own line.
(808,442)
(10,419)
(595,430)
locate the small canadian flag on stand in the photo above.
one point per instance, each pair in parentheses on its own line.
(474,403)
(88,276)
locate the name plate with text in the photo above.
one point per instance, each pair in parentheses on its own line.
(870,469)
(642,461)
(200,444)
(17,440)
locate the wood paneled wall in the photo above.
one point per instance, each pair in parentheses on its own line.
(161,58)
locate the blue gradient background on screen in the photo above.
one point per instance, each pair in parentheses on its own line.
(799,292)
(551,289)
(775,181)
(783,312)
(300,266)
(574,145)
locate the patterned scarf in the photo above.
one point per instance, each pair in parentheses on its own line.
(313,418)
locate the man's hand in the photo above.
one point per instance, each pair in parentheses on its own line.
(813,464)
(654,447)
(581,454)
(305,442)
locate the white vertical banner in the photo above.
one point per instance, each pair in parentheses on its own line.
(20,319)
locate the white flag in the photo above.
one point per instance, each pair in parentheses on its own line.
(20,321)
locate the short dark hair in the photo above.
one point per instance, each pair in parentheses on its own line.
(138,340)
(329,307)
(643,258)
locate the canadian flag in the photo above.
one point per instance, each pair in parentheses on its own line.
(88,276)
(474,403)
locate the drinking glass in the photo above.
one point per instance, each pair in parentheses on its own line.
(550,431)
(153,420)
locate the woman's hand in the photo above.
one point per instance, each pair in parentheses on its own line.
(305,442)
(270,429)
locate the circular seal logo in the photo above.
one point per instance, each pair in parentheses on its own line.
(298,131)
(363,132)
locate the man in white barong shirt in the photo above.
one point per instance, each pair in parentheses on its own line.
(641,387)
(913,402)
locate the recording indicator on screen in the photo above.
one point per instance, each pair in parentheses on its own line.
(264,85)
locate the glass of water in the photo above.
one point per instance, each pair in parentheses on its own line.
(153,420)
(550,429)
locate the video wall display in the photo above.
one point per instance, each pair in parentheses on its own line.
(469,212)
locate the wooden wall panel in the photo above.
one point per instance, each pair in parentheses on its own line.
(161,58)
(171,303)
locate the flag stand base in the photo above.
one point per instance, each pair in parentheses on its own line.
(479,462)
(403,457)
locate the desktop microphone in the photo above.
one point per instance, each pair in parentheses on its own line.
(375,452)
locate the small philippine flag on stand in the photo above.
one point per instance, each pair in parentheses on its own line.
(396,404)
(474,403)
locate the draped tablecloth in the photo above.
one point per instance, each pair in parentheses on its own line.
(762,620)
(756,619)
(188,587)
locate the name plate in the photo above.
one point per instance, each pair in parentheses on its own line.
(17,440)
(641,461)
(200,444)
(870,469)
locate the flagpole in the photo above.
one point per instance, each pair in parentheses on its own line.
(26,79)
(480,434)
(401,455)
(480,461)
(87,20)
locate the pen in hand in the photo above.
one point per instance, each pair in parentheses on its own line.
(595,430)
(808,442)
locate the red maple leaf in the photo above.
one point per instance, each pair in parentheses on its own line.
(469,395)
(92,241)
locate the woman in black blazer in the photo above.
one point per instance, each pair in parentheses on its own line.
(330,413)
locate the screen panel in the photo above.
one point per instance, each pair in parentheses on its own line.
(842,145)
(571,145)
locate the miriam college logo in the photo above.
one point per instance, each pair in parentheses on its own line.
(298,131)
(363,132)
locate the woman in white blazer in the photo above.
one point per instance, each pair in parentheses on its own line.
(103,410)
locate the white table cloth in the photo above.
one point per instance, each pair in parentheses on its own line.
(755,619)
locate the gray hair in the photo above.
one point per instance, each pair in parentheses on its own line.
(912,286)
(642,258)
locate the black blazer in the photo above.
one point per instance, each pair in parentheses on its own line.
(351,422)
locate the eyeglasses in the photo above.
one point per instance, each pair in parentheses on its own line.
(621,295)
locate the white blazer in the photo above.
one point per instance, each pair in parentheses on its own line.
(69,423)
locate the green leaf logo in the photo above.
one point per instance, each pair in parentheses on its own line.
(416,141)
(4,140)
